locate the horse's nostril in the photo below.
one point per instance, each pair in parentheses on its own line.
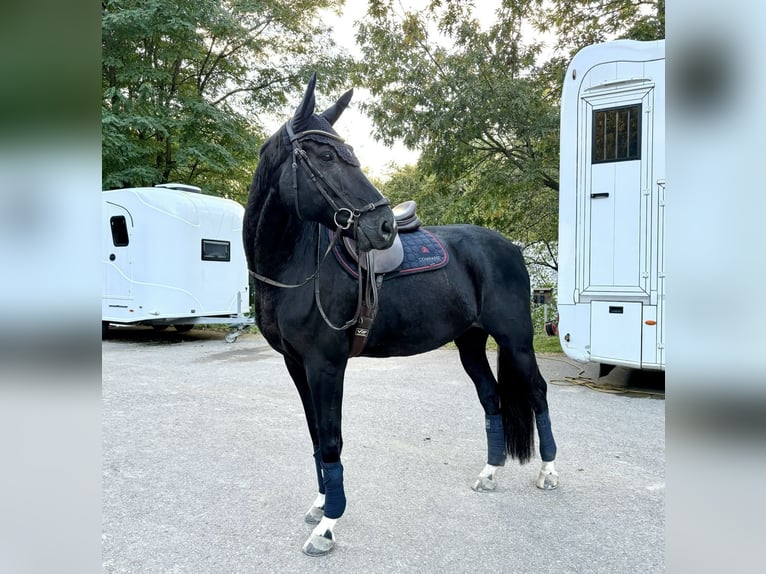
(386,227)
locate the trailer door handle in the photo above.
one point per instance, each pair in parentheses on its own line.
(599,195)
(615,309)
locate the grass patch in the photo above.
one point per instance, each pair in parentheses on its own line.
(546,344)
(542,344)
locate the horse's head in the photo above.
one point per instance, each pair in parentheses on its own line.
(324,182)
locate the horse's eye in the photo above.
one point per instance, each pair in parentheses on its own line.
(326,156)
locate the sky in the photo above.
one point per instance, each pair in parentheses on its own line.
(353,125)
(376,158)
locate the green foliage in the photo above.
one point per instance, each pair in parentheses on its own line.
(187,85)
(472,101)
(579,23)
(482,104)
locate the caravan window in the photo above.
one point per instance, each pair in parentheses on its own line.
(617,134)
(119,231)
(214,250)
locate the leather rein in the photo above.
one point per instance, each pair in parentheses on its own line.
(346,216)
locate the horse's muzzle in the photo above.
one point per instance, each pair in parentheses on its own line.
(376,229)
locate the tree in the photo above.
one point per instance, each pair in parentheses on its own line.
(187,85)
(475,103)
(481,103)
(579,23)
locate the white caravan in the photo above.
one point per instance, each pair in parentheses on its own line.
(171,255)
(611,283)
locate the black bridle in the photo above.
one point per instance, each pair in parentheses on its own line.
(347,209)
(367,296)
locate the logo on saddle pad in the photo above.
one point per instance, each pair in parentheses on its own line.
(361,332)
(427,258)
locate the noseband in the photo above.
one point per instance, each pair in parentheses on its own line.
(346,210)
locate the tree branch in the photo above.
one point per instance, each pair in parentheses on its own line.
(250,88)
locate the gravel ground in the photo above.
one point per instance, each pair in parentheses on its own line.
(207,468)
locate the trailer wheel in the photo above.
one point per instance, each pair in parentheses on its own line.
(231,337)
(184,328)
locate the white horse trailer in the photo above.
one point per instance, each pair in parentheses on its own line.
(173,256)
(611,284)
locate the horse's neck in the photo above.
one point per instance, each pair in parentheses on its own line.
(285,247)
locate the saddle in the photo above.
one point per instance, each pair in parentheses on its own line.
(419,251)
(406,218)
(386,260)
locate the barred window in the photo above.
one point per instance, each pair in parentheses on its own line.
(617,134)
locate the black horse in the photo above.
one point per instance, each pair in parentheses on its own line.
(308,181)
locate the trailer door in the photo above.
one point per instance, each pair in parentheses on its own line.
(117,260)
(617,205)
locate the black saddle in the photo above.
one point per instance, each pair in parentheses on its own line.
(387,260)
(406,217)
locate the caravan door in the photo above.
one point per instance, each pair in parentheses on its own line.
(116,252)
(617,188)
(619,275)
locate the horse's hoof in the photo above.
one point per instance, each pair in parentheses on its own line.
(484,484)
(318,545)
(547,480)
(314,515)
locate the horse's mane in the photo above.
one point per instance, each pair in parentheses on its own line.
(272,155)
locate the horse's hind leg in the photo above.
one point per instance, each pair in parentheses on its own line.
(473,356)
(524,366)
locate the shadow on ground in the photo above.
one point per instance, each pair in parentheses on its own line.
(169,336)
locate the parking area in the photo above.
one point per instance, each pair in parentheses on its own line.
(207,468)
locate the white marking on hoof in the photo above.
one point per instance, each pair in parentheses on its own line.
(548,479)
(316,512)
(314,515)
(486,481)
(322,539)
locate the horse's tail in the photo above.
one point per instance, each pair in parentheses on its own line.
(515,407)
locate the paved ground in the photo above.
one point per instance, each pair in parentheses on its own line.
(207,469)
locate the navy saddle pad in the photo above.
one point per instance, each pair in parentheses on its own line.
(422,252)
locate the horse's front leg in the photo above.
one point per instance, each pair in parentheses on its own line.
(298,374)
(325,383)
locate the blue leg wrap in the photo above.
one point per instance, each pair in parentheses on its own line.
(495,440)
(335,503)
(547,444)
(318,464)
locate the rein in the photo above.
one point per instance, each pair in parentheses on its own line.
(314,275)
(345,217)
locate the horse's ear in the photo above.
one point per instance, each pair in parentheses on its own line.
(306,109)
(334,111)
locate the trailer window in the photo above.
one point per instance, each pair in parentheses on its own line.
(617,134)
(214,250)
(119,231)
